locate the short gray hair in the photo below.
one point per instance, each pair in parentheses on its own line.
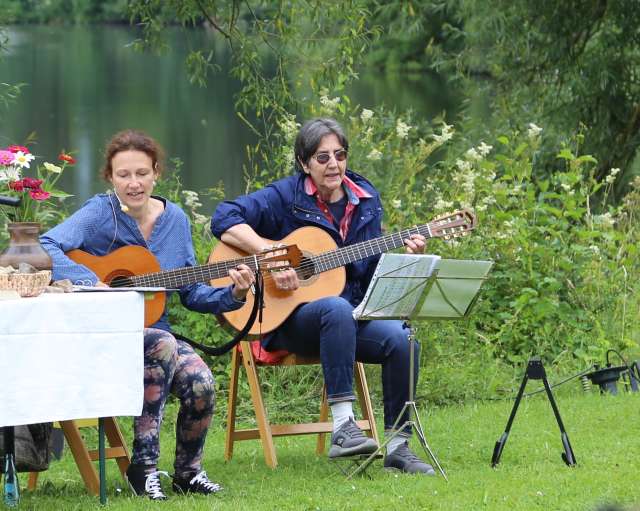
(310,136)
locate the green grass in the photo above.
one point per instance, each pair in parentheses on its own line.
(603,431)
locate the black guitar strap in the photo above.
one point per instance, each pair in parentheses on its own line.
(216,351)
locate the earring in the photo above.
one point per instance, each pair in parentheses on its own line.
(155,182)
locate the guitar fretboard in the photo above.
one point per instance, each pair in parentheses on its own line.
(358,251)
(177,278)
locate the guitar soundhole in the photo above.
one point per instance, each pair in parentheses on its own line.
(121,281)
(306,269)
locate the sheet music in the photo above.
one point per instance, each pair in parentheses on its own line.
(400,283)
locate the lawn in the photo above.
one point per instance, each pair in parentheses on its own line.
(603,431)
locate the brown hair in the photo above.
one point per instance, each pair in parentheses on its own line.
(132,140)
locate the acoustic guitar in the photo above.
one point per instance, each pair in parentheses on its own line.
(135,266)
(321,269)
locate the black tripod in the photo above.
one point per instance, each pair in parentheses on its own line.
(535,371)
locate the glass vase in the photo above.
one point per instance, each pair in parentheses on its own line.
(24,247)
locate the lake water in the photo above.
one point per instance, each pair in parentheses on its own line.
(85,83)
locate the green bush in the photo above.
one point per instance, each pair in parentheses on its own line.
(563,284)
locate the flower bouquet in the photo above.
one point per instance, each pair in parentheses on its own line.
(39,199)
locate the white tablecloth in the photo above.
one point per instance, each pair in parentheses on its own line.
(71,356)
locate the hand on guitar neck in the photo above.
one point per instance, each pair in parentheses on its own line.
(242,278)
(243,237)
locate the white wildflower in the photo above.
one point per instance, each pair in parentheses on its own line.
(468,183)
(445,135)
(463,165)
(612,175)
(565,187)
(374,155)
(329,104)
(488,200)
(473,155)
(595,249)
(604,220)
(289,126)
(191,199)
(23,160)
(402,129)
(534,131)
(484,149)
(200,219)
(9,174)
(516,189)
(366,115)
(442,204)
(396,203)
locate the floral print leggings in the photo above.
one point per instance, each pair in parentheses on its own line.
(172,366)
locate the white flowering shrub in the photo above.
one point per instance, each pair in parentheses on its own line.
(564,260)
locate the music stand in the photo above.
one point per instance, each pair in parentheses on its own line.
(413,287)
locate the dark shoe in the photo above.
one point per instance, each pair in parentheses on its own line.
(350,440)
(145,484)
(404,460)
(197,484)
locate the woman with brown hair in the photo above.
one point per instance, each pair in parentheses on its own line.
(131,215)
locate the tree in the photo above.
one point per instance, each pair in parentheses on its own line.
(568,64)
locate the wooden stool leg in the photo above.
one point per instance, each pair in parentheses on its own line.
(33,481)
(324,416)
(365,400)
(81,456)
(258,404)
(232,403)
(115,439)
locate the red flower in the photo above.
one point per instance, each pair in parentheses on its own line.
(39,194)
(67,157)
(16,148)
(29,182)
(18,186)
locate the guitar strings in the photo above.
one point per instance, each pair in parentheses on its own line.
(323,262)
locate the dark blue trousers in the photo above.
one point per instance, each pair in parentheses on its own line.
(326,328)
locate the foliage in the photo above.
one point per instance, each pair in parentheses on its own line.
(63,11)
(310,45)
(188,323)
(564,284)
(40,201)
(8,91)
(565,69)
(565,259)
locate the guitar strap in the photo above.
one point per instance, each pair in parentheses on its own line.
(216,351)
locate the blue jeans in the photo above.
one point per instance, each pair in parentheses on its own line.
(326,328)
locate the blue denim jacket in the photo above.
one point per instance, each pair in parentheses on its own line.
(100,227)
(283,206)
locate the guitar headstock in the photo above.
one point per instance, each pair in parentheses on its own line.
(279,257)
(453,225)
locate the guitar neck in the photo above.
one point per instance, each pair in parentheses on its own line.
(351,253)
(174,279)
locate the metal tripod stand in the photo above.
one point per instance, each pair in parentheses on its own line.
(410,408)
(535,371)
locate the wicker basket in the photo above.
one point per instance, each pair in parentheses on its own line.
(26,284)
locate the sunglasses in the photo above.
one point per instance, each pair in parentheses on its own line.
(322,158)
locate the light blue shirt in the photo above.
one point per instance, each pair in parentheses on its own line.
(100,227)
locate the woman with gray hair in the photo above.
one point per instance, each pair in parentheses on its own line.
(324,193)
